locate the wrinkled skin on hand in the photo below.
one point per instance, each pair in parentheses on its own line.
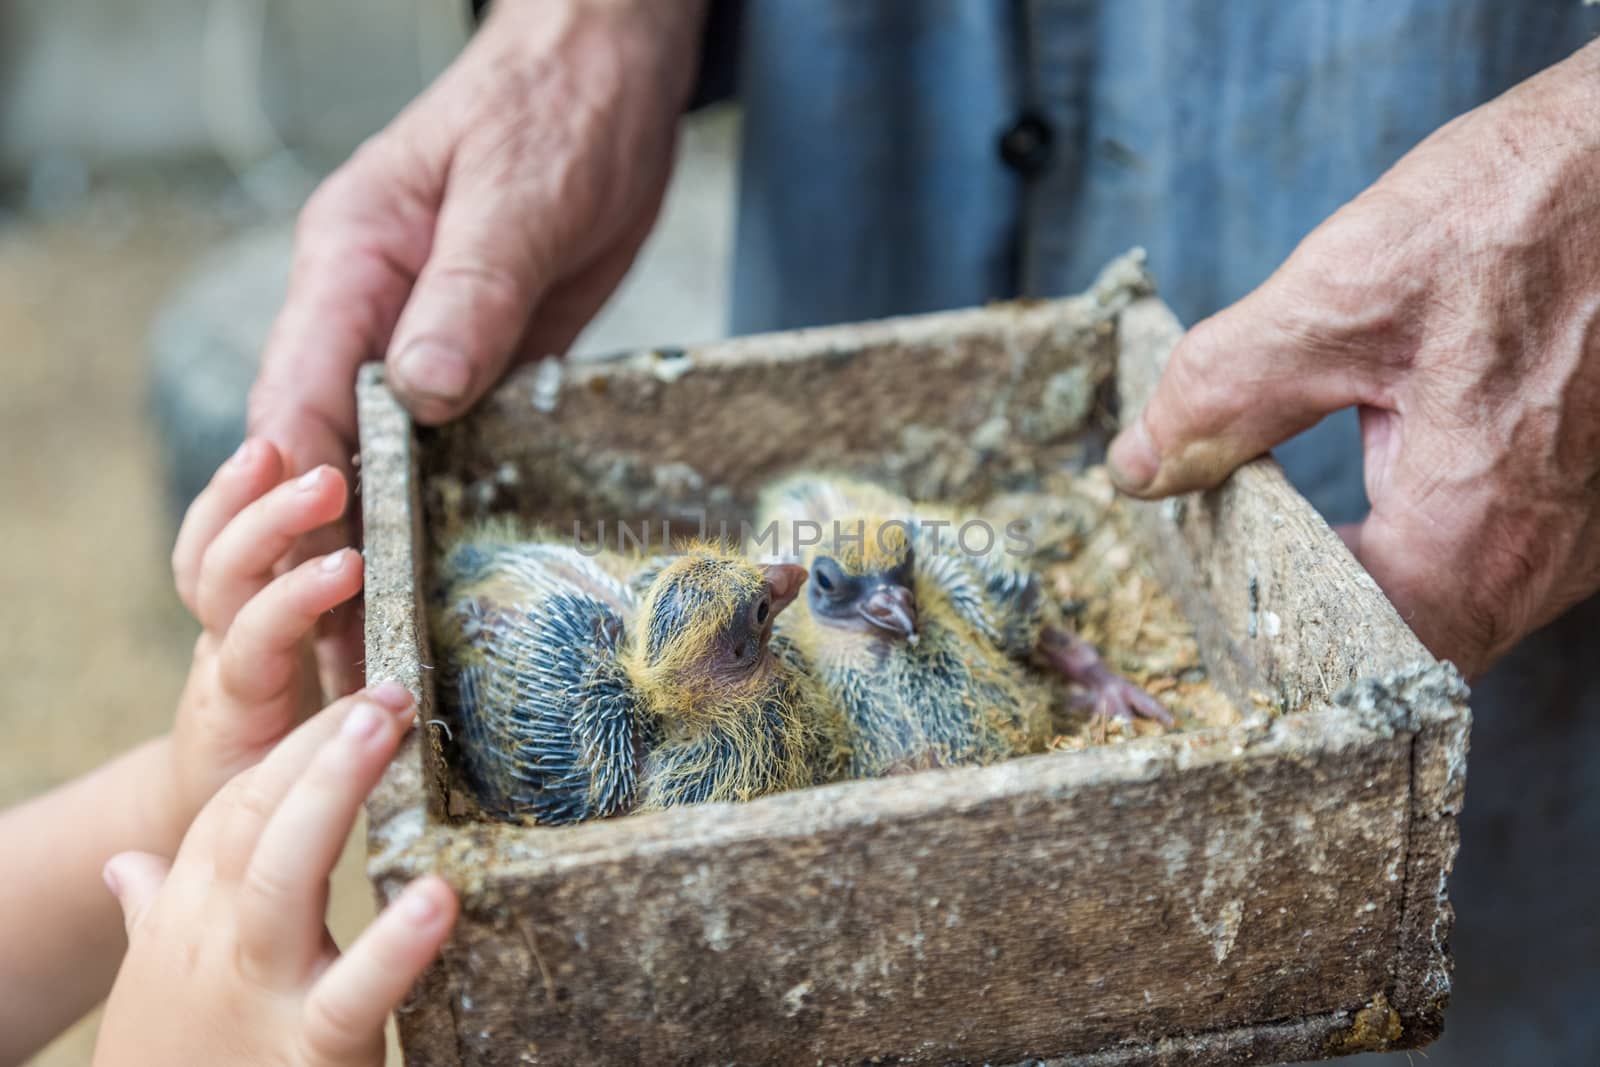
(1456,304)
(484,226)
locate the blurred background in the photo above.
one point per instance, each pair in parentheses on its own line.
(152,157)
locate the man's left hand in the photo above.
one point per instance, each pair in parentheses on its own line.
(1456,304)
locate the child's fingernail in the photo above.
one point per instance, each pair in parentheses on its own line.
(309,480)
(362,722)
(418,906)
(245,452)
(391,695)
(109,876)
(334,561)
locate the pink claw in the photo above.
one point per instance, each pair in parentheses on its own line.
(1118,698)
(1114,696)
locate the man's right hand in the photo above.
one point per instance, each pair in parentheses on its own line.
(483,227)
(487,223)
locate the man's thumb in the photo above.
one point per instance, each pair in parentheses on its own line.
(1236,385)
(472,301)
(135,878)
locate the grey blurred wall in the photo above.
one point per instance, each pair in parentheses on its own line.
(111,81)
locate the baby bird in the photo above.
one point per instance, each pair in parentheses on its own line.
(917,686)
(579,700)
(922,645)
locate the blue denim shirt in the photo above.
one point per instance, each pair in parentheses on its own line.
(1216,135)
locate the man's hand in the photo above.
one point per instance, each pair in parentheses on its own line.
(1456,304)
(485,225)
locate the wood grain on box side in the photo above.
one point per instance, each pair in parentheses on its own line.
(1049,905)
(393,543)
(397,650)
(1281,603)
(1430,702)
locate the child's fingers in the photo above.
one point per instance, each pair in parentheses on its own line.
(135,878)
(259,655)
(353,998)
(253,469)
(341,649)
(227,830)
(283,897)
(240,561)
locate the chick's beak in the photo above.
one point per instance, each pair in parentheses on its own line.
(783,583)
(893,609)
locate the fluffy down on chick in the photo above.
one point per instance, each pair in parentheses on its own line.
(923,646)
(892,645)
(579,699)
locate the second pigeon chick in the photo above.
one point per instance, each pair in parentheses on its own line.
(918,639)
(916,684)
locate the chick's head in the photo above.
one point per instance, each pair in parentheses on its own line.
(701,647)
(865,580)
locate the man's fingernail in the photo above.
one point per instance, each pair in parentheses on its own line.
(433,370)
(1133,459)
(362,722)
(109,876)
(391,695)
(334,561)
(308,481)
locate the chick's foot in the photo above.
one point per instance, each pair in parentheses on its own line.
(1113,696)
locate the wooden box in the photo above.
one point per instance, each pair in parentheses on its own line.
(1255,894)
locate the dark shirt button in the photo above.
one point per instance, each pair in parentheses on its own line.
(1025,147)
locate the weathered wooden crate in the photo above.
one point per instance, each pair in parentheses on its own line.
(1246,895)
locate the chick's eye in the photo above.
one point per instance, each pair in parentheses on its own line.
(763,612)
(825,573)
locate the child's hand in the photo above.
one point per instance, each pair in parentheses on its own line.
(253,675)
(229,960)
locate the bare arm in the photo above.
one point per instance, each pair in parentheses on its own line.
(61,936)
(62,932)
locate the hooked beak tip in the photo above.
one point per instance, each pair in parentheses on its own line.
(893,610)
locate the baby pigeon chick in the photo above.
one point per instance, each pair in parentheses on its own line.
(579,700)
(916,684)
(994,599)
